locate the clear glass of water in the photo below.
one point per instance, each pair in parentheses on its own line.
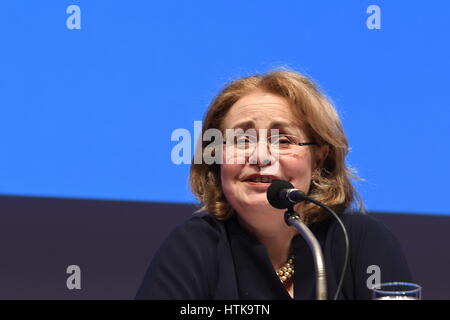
(397,291)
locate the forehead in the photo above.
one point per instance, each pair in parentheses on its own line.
(260,109)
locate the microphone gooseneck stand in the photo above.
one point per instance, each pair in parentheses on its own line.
(293,219)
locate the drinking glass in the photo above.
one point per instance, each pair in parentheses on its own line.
(397,291)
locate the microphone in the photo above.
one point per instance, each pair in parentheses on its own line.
(281,195)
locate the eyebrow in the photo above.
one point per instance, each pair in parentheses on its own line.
(276,124)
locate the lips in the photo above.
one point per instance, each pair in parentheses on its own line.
(259,178)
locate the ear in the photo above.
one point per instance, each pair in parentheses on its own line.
(320,154)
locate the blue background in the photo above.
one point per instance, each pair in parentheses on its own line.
(89,113)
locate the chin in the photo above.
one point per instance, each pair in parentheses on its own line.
(261,207)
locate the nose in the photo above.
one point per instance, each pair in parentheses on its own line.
(261,155)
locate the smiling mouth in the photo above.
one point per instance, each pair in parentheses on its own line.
(260,180)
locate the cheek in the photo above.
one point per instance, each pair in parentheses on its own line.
(298,170)
(229,174)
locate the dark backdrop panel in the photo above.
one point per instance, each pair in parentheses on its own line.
(112,242)
(425,240)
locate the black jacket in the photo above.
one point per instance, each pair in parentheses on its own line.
(210,259)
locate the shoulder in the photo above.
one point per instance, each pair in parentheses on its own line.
(361,224)
(359,219)
(196,236)
(373,243)
(368,237)
(185,265)
(375,253)
(200,226)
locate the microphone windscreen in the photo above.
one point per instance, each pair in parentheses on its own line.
(274,191)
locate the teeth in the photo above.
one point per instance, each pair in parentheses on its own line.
(262,179)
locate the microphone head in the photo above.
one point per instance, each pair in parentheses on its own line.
(274,194)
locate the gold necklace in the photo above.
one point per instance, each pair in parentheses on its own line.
(287,270)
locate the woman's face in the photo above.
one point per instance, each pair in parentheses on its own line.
(261,110)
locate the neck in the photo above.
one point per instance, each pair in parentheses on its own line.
(278,246)
(277,242)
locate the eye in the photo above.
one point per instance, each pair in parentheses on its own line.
(284,140)
(243,141)
(281,140)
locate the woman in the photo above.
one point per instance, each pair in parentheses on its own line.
(283,128)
